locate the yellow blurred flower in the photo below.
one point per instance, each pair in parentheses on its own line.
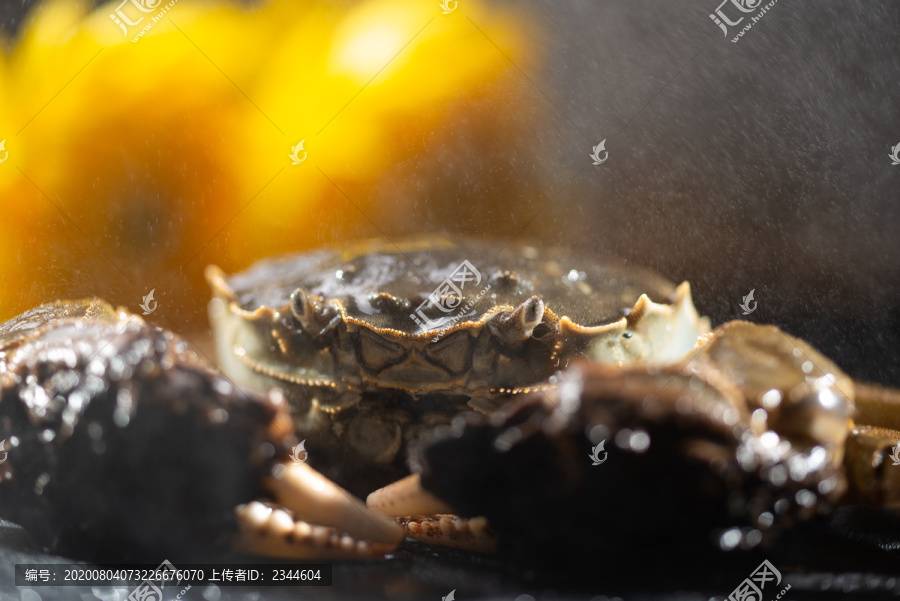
(137,155)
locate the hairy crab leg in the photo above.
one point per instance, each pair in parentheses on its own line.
(877,405)
(426,518)
(870,463)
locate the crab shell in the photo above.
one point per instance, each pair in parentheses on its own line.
(434,328)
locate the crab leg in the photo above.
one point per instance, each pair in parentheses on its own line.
(313,519)
(872,477)
(877,405)
(426,518)
(870,444)
(406,497)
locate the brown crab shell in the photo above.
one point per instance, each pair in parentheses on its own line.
(352,335)
(369,297)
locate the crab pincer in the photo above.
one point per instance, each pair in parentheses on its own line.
(123,445)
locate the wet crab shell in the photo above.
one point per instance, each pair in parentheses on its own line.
(692,459)
(340,328)
(121,444)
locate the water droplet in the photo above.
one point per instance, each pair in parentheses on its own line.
(769,440)
(95,431)
(730,539)
(639,441)
(778,475)
(267,450)
(623,438)
(597,433)
(121,417)
(771,399)
(753,538)
(805,498)
(218,416)
(827,485)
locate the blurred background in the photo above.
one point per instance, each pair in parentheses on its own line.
(136,159)
(133,158)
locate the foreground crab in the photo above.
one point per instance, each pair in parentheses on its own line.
(376,343)
(122,445)
(751,433)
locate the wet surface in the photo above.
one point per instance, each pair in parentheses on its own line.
(827,565)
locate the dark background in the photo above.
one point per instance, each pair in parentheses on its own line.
(757,165)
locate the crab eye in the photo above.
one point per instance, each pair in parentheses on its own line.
(627,334)
(516,326)
(299,304)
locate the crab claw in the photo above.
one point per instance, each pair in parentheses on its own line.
(313,519)
(651,332)
(406,497)
(316,315)
(426,518)
(517,325)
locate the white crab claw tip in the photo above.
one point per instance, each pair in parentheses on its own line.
(315,499)
(406,497)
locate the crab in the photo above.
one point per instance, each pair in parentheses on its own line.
(121,444)
(488,367)
(379,345)
(375,344)
(752,433)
